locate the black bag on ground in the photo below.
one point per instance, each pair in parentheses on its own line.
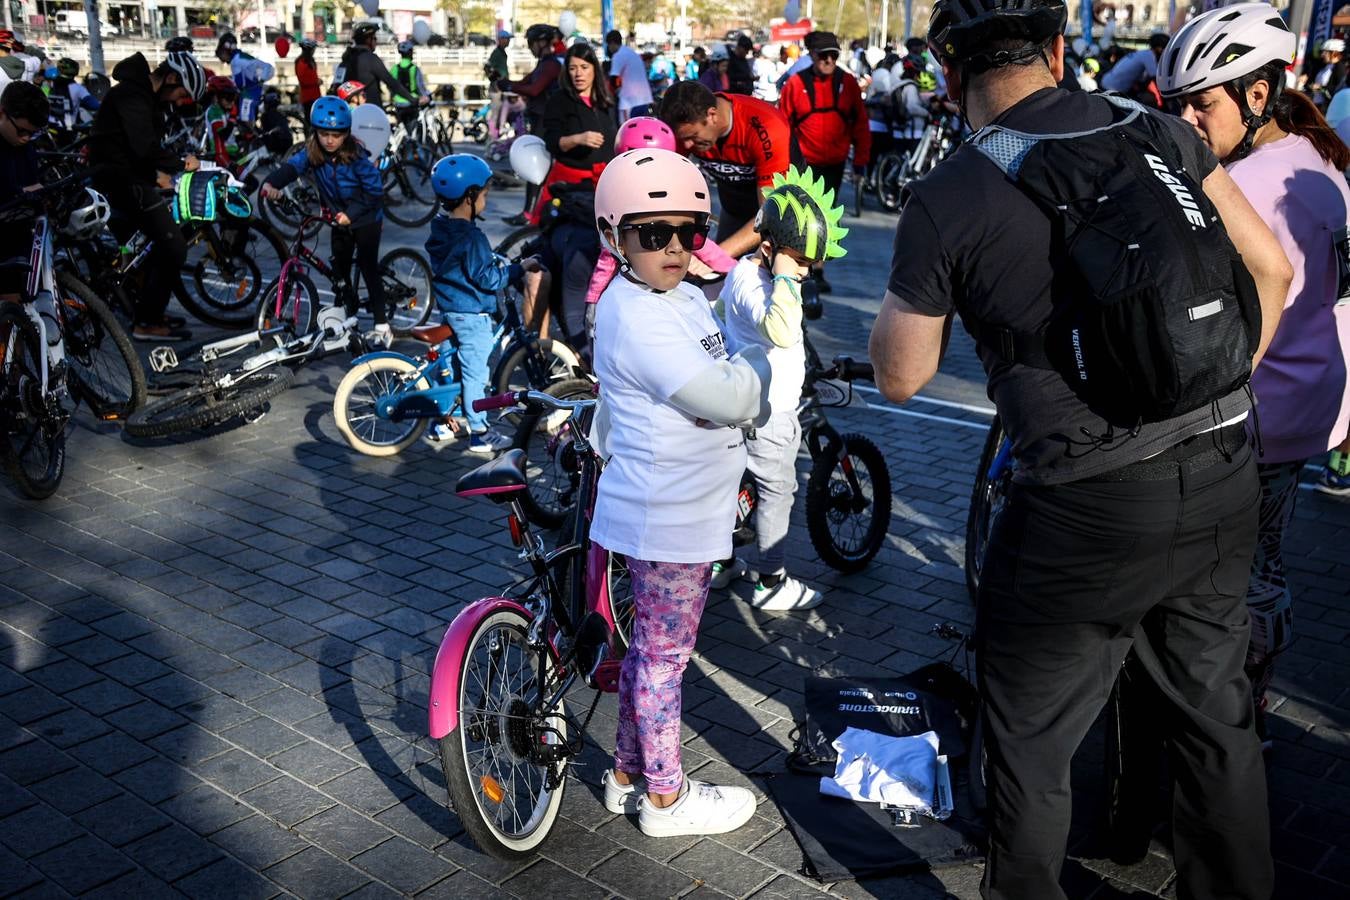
(1157,316)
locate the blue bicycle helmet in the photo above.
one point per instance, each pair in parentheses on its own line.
(331,114)
(456,175)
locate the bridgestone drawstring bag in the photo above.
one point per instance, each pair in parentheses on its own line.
(1155,315)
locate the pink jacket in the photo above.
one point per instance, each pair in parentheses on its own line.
(711,256)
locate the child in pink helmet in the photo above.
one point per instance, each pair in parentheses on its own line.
(670,421)
(635,134)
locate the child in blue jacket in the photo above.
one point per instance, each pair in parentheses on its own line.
(350,184)
(466,275)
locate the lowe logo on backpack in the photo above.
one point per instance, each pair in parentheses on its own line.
(1179,190)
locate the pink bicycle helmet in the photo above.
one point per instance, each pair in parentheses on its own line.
(645,182)
(644,131)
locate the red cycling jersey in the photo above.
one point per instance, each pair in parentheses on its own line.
(756,148)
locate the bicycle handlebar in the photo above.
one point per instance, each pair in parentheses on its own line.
(845,369)
(534,399)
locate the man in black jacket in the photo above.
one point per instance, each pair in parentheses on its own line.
(741,72)
(127,150)
(359,63)
(536,88)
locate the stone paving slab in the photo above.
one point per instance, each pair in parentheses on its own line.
(215,660)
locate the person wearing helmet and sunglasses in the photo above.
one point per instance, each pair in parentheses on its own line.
(1288,162)
(360,63)
(1117,535)
(126,150)
(248,73)
(350,185)
(467,276)
(409,74)
(673,403)
(798,228)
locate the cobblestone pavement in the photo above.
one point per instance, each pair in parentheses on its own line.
(215,659)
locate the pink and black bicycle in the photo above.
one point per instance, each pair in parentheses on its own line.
(507,663)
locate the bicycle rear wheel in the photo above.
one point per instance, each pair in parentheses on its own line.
(891,180)
(407,288)
(621,599)
(512,372)
(505,796)
(227,267)
(848,504)
(408,196)
(293,307)
(550,465)
(209,404)
(32,424)
(513,242)
(107,372)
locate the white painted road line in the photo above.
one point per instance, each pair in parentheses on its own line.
(968,407)
(895,410)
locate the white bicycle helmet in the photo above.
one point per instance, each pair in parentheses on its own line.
(190,72)
(1223,45)
(88,220)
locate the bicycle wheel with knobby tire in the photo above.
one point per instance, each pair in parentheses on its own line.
(512,373)
(986,502)
(32,424)
(408,196)
(226,269)
(207,405)
(848,504)
(354,404)
(499,787)
(105,370)
(295,310)
(891,180)
(550,464)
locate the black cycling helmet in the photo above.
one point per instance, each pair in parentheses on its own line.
(538,33)
(364,31)
(177,44)
(801,214)
(963,30)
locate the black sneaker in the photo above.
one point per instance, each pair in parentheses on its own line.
(162,332)
(517,220)
(174,321)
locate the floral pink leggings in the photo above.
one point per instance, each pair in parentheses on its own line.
(669,600)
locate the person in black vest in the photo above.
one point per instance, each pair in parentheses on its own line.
(824,108)
(1115,535)
(741,71)
(536,88)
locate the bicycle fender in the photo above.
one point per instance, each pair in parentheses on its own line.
(382,354)
(443,699)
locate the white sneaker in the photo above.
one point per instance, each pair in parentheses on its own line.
(702,809)
(489,443)
(622,798)
(439,433)
(725,575)
(381,335)
(788,594)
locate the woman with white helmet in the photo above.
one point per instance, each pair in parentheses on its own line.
(1226,69)
(670,427)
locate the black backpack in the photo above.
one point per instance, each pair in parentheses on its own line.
(808,77)
(1155,313)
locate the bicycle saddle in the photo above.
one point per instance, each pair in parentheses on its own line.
(432,334)
(496,480)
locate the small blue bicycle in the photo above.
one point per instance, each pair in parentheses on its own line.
(386,399)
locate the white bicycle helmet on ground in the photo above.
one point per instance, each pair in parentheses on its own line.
(1223,45)
(91,218)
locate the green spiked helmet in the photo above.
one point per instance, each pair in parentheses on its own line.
(799,213)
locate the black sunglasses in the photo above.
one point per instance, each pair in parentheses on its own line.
(657,235)
(25,132)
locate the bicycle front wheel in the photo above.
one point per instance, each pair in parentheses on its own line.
(107,372)
(986,502)
(407,288)
(511,245)
(227,270)
(503,792)
(556,362)
(293,307)
(848,504)
(891,180)
(408,196)
(550,465)
(206,405)
(32,424)
(354,406)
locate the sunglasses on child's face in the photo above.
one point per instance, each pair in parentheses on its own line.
(657,235)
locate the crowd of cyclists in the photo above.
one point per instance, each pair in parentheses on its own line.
(1157,527)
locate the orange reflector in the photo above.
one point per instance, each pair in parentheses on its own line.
(517,533)
(242,290)
(492,788)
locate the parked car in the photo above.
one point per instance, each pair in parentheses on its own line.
(478,39)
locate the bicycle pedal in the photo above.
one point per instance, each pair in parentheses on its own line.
(605,678)
(162,359)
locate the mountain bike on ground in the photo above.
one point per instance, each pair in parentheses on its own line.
(236,378)
(497,697)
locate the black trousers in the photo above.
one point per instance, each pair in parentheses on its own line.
(1076,575)
(363,242)
(143,207)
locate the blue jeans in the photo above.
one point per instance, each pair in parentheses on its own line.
(472,345)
